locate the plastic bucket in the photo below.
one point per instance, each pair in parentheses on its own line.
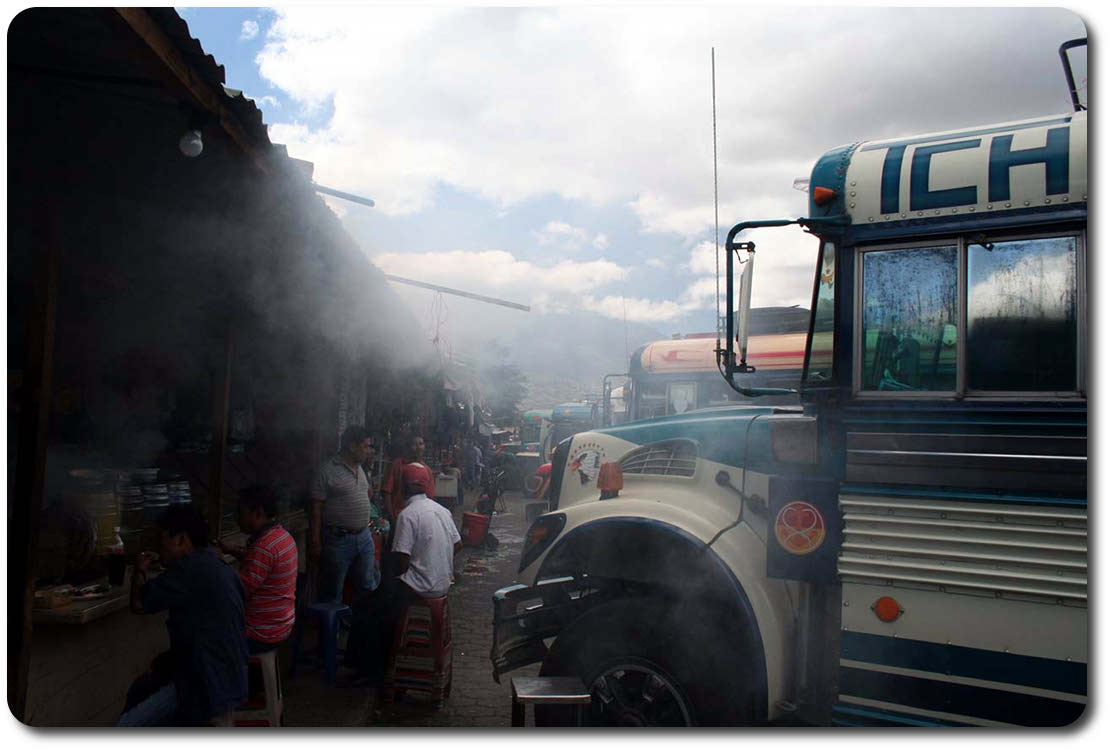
(474,528)
(379,543)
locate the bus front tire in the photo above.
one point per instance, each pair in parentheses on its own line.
(645,667)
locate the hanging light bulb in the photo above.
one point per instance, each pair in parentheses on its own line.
(191,144)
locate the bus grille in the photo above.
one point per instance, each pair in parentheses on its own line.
(676,458)
(988,549)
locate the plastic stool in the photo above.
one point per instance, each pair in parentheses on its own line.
(265,710)
(548,690)
(420,658)
(328,615)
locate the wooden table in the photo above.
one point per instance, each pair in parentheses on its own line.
(81,611)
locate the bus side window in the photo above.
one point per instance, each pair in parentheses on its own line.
(653,401)
(681,397)
(910,309)
(1022,315)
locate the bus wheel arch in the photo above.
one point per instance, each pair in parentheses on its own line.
(687,592)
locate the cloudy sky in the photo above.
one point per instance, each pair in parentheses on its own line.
(563,157)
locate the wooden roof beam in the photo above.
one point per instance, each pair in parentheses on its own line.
(202,94)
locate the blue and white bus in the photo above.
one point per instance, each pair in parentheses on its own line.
(908,546)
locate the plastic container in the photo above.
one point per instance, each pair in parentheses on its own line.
(475,526)
(116,558)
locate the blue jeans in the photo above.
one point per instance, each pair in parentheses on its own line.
(346,555)
(157,710)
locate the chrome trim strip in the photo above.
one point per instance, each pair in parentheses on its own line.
(958,524)
(1053,513)
(958,551)
(871,451)
(888,576)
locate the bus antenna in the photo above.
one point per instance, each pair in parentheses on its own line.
(716,220)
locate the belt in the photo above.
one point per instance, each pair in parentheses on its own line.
(341,530)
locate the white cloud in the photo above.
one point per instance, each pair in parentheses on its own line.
(635,309)
(496,271)
(561,235)
(704,258)
(611,105)
(249,30)
(699,295)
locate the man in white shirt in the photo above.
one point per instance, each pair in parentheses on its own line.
(425,541)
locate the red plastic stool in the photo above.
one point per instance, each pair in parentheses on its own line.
(421,655)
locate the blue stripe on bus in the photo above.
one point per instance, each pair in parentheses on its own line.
(962,661)
(877,717)
(909,420)
(940,494)
(966,700)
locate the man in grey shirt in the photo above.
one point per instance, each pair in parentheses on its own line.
(339,537)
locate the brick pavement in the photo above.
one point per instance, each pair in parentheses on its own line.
(476,700)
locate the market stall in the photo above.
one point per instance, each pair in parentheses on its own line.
(180,326)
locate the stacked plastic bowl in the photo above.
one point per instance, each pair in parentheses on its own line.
(179,493)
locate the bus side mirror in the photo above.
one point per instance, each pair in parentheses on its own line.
(745,305)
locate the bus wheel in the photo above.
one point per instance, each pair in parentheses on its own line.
(644,669)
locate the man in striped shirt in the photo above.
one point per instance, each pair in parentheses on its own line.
(268,570)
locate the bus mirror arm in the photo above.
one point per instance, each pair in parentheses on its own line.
(756,392)
(726,357)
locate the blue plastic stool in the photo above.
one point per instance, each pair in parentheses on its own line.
(328,616)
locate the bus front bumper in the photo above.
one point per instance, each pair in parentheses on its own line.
(525,617)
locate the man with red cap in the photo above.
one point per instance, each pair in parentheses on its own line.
(425,541)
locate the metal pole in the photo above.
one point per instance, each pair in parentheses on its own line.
(449,290)
(30,464)
(221,402)
(340,194)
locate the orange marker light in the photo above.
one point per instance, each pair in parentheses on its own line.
(610,478)
(823,195)
(887,609)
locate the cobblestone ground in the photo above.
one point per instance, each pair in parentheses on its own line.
(476,700)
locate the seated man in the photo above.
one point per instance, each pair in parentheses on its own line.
(268,570)
(204,675)
(425,541)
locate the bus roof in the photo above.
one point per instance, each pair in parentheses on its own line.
(784,351)
(536,415)
(1036,165)
(577,412)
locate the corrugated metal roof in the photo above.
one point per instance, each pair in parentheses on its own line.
(243,108)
